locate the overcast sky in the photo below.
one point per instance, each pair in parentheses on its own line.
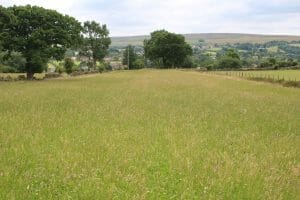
(140,17)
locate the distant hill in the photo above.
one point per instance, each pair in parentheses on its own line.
(213,38)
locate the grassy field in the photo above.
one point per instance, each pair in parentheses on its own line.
(149,135)
(293,75)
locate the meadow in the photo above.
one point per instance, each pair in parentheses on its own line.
(149,134)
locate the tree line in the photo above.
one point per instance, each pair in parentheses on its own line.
(32,36)
(35,35)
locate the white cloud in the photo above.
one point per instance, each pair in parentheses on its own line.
(132,17)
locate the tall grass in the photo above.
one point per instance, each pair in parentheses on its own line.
(149,135)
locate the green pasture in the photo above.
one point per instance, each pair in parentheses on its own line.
(149,134)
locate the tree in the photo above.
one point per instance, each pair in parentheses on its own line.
(229,63)
(231,53)
(129,57)
(167,48)
(231,59)
(96,41)
(38,33)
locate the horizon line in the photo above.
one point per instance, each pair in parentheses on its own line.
(259,34)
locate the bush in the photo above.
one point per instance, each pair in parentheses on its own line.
(7,69)
(68,64)
(108,67)
(100,67)
(138,63)
(229,63)
(59,68)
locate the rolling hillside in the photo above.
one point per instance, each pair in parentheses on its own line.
(214,38)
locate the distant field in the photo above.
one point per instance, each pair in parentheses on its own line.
(296,45)
(293,75)
(149,134)
(212,38)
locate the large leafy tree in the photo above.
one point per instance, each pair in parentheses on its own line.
(167,48)
(96,41)
(38,33)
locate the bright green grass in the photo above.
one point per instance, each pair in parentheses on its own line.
(281,74)
(149,135)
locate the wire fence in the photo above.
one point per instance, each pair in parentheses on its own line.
(257,75)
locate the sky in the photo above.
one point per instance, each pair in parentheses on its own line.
(141,17)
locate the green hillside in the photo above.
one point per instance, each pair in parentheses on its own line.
(214,38)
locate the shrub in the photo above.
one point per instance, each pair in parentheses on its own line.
(7,69)
(59,68)
(139,63)
(101,67)
(229,63)
(68,64)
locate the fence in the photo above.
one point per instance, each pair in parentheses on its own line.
(256,75)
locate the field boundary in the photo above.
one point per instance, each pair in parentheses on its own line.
(279,80)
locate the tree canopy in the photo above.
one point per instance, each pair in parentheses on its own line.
(167,49)
(230,60)
(96,41)
(38,33)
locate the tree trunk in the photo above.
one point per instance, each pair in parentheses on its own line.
(30,75)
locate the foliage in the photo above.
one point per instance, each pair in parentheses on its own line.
(39,34)
(129,57)
(167,48)
(68,64)
(7,69)
(139,63)
(231,53)
(188,62)
(12,61)
(229,63)
(102,66)
(231,60)
(59,68)
(96,41)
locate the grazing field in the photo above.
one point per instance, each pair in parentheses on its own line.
(149,135)
(293,75)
